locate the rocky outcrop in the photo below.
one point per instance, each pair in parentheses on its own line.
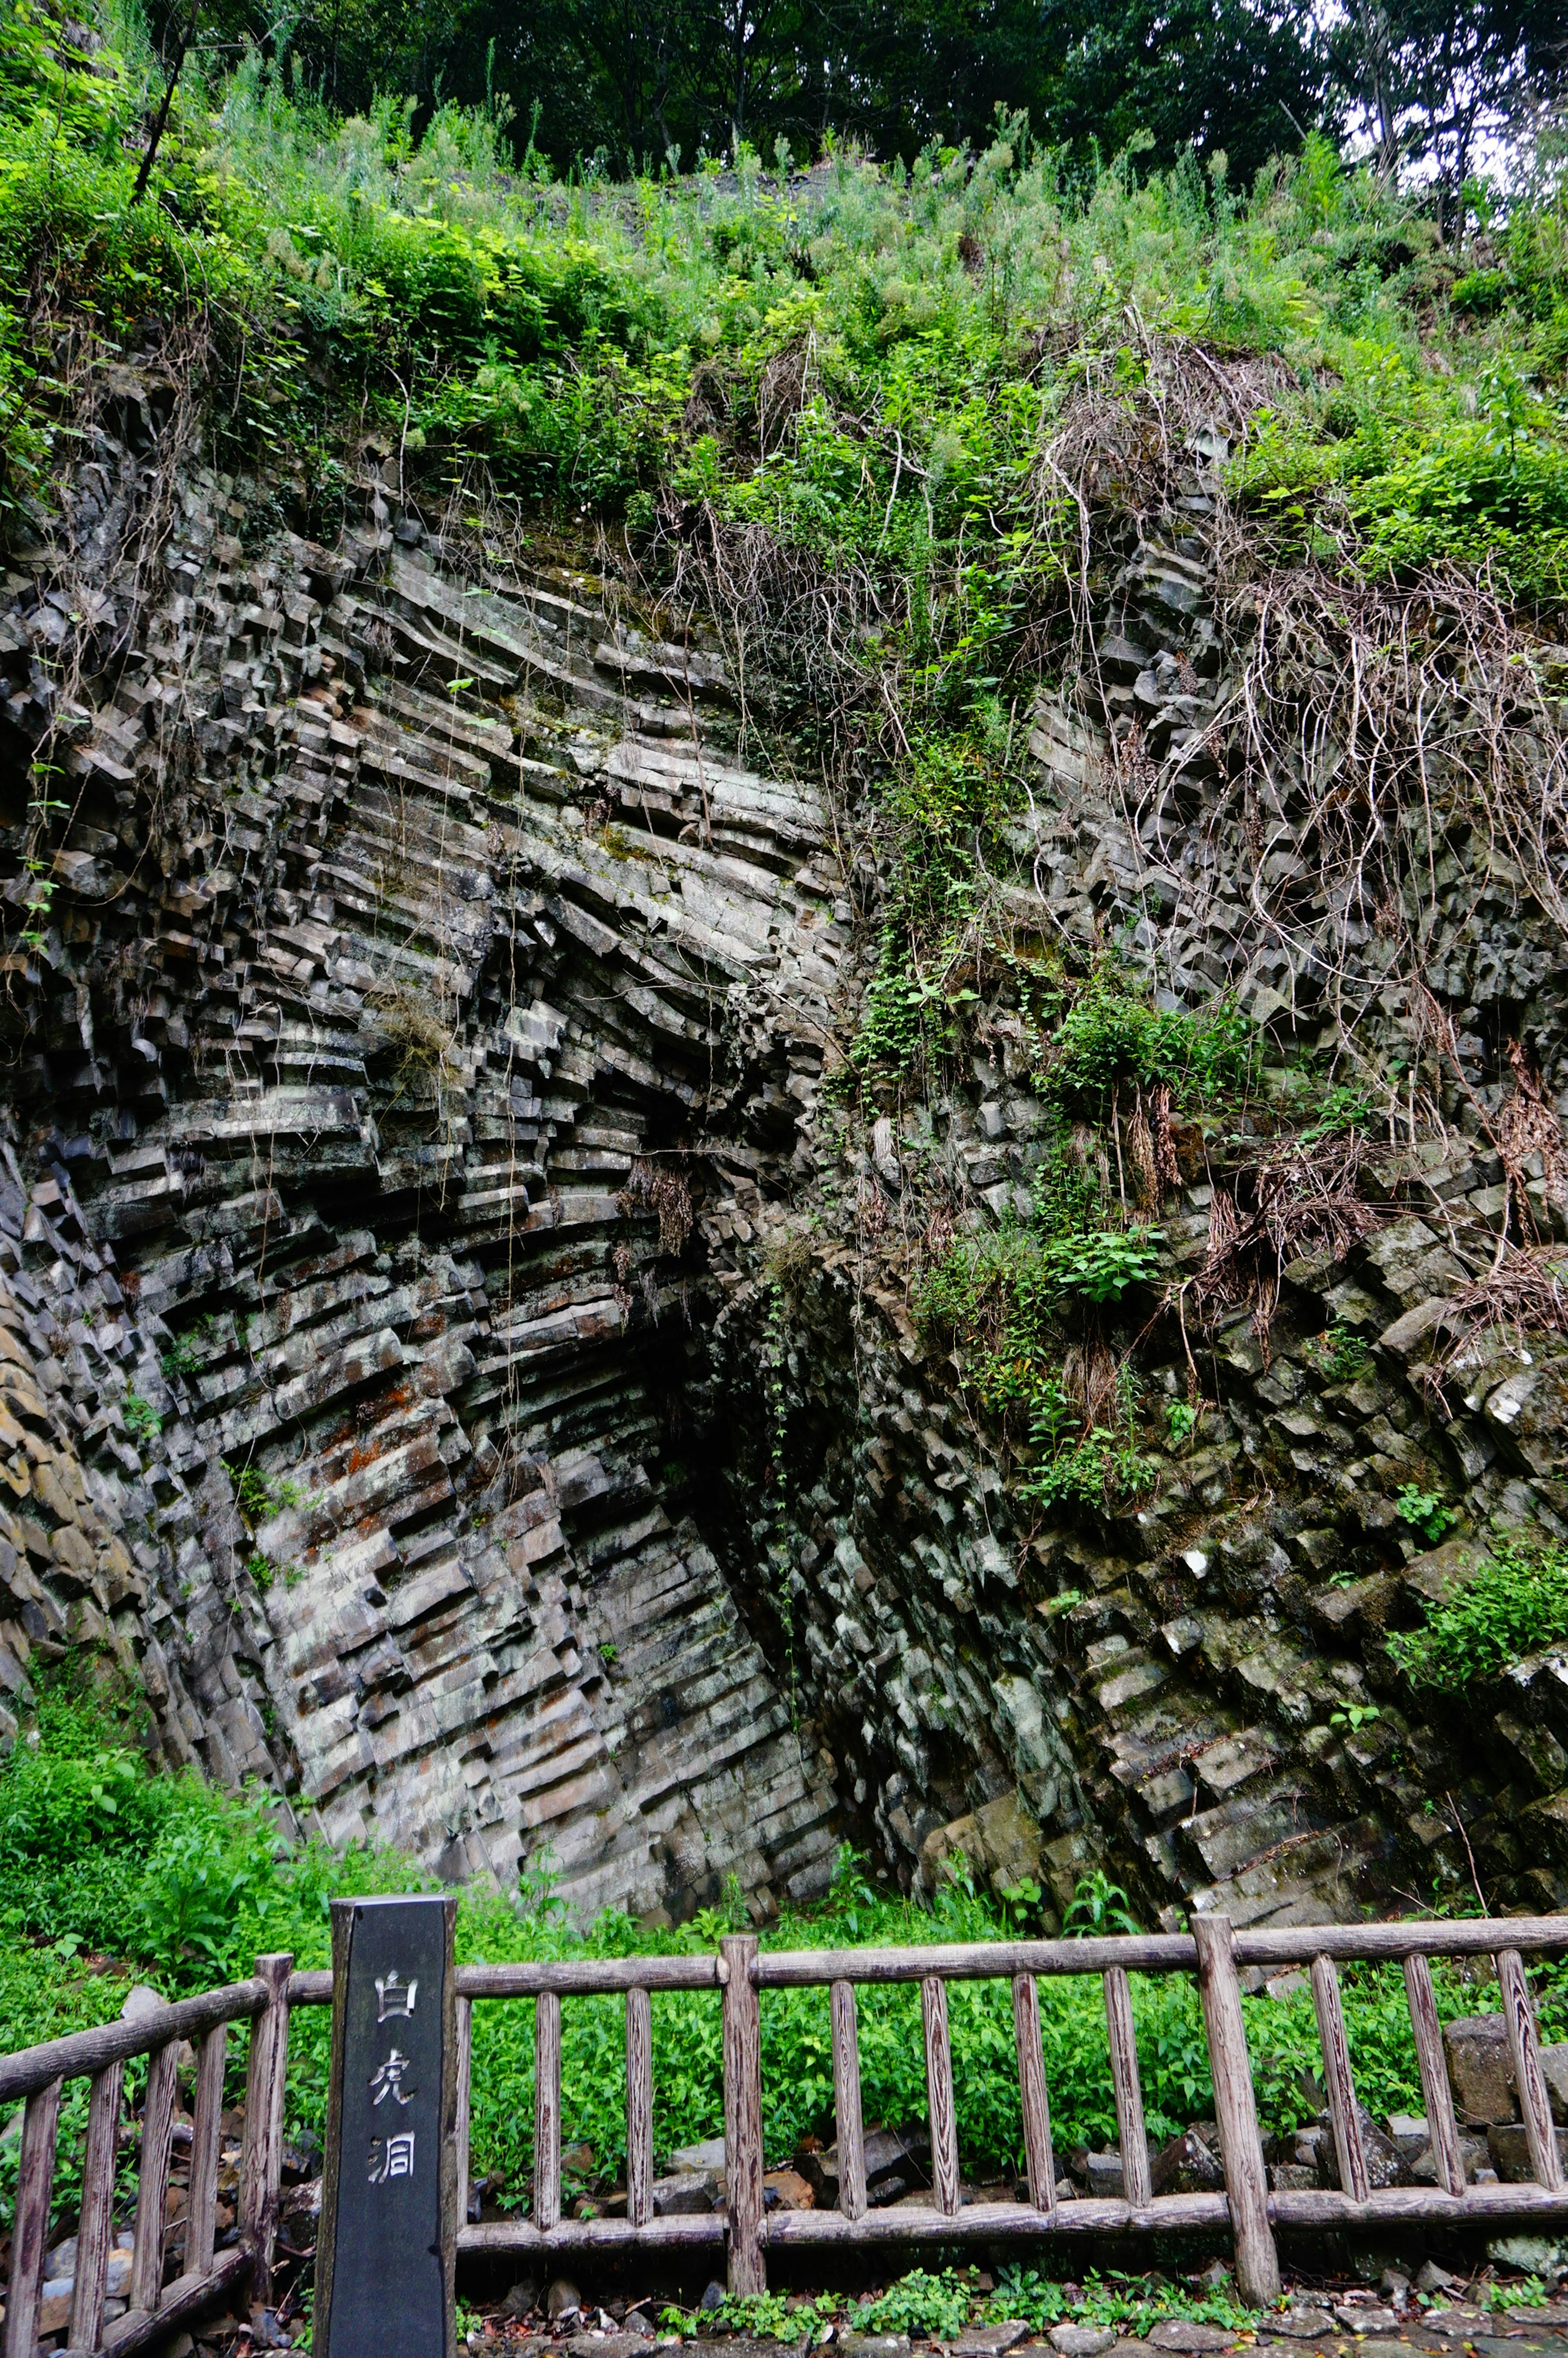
(454,1349)
(361,1081)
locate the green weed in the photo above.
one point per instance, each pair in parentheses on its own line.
(1425,1512)
(142,1419)
(935,2306)
(1341,1353)
(1511,1604)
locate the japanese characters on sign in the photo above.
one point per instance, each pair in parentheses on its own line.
(387,2231)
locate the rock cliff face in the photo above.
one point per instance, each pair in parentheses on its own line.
(452,1340)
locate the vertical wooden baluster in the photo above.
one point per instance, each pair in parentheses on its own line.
(1337,2079)
(850,2129)
(639,2107)
(939,2094)
(1129,2093)
(1037,2153)
(95,2227)
(1235,2112)
(1439,2097)
(152,2178)
(547,2111)
(743,2112)
(1524,2051)
(463,2007)
(30,2230)
(206,2136)
(261,2160)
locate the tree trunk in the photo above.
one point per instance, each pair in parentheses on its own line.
(144,173)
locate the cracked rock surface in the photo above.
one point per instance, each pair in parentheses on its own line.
(419,1166)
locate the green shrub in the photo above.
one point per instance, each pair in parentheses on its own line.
(1514,1602)
(1112,1040)
(1425,1512)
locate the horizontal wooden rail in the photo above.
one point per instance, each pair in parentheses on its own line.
(591,1977)
(564,1976)
(977,1961)
(1157,1952)
(699,2231)
(1297,1944)
(84,2053)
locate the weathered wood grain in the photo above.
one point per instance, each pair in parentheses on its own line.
(1435,2091)
(980,1961)
(547,2110)
(95,2227)
(639,2107)
(87,2052)
(848,2127)
(152,2180)
(1040,2159)
(587,1976)
(206,2136)
(703,2231)
(1128,2089)
(1236,2111)
(1337,2079)
(261,2160)
(30,2228)
(1417,2206)
(1524,2051)
(183,2301)
(1148,1952)
(995,2223)
(939,2094)
(743,2113)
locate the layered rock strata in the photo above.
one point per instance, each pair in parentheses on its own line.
(457,1355)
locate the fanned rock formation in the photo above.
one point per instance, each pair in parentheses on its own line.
(446,1346)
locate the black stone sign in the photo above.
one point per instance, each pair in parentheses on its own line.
(387,2244)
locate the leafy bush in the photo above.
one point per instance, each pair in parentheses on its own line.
(1511,1604)
(1110,1039)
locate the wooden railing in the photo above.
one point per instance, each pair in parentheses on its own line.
(38,2074)
(1212,1952)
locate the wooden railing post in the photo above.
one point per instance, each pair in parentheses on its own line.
(96,2224)
(1235,2112)
(31,2230)
(152,2178)
(547,2111)
(1337,2079)
(1434,2087)
(463,2016)
(1524,2052)
(939,2094)
(848,2125)
(1038,2156)
(743,2113)
(1128,2091)
(639,2107)
(261,2161)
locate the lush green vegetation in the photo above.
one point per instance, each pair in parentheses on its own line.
(856,418)
(107,1870)
(1512,1603)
